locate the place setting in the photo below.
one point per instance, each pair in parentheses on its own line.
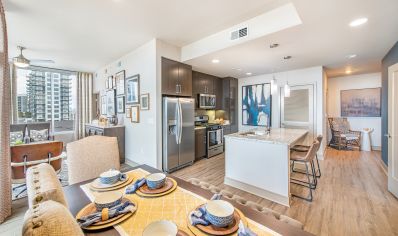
(108,209)
(152,185)
(163,228)
(110,180)
(218,217)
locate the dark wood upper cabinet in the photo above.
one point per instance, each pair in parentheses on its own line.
(203,83)
(218,91)
(176,78)
(230,102)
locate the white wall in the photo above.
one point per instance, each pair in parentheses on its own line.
(335,85)
(143,139)
(312,75)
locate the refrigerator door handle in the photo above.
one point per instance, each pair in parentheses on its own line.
(177,124)
(180,122)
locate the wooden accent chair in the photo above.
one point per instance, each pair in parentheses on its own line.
(342,135)
(90,156)
(27,155)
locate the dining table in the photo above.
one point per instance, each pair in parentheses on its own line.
(77,199)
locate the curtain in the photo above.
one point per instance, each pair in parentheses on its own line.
(84,102)
(5,105)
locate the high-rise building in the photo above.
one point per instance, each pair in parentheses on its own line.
(49,96)
(22,102)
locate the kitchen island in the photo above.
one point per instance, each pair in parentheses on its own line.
(258,162)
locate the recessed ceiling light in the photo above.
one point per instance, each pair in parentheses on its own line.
(248,73)
(274,45)
(358,22)
(348,71)
(352,56)
(287,57)
(215,61)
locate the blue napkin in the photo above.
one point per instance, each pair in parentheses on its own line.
(113,212)
(123,177)
(198,217)
(245,231)
(134,187)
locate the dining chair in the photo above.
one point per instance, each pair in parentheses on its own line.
(87,158)
(306,158)
(27,155)
(304,148)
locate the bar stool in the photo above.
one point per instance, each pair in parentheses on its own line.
(306,158)
(303,148)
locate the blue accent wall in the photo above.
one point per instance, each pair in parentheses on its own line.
(390,59)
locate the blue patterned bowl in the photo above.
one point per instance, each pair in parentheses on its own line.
(108,200)
(155,181)
(219,213)
(110,177)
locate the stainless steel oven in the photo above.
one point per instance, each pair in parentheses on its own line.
(207,101)
(215,140)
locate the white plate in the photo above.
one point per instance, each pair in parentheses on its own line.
(161,228)
(97,183)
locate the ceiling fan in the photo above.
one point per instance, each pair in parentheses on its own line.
(21,61)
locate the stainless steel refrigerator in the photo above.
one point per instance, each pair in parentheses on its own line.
(178,133)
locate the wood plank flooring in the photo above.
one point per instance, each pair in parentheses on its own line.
(351,197)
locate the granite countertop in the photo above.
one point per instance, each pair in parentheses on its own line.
(277,136)
(199,127)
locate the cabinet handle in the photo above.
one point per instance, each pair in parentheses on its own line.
(177,88)
(180,88)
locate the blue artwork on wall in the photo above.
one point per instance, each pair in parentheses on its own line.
(256,105)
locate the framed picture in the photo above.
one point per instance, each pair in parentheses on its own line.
(128,112)
(135,114)
(110,82)
(132,88)
(120,104)
(119,80)
(103,104)
(360,102)
(144,101)
(110,103)
(256,104)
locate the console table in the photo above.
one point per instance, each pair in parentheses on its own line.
(110,131)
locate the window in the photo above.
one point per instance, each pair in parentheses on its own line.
(38,97)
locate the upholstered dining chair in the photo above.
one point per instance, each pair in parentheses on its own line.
(27,155)
(87,158)
(304,148)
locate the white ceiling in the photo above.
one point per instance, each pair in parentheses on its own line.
(85,35)
(324,39)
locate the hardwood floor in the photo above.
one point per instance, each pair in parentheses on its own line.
(351,197)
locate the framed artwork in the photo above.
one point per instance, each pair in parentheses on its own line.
(132,88)
(135,114)
(256,104)
(103,104)
(119,82)
(120,105)
(109,82)
(144,101)
(360,102)
(128,112)
(110,103)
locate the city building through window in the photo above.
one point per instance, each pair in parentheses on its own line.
(46,95)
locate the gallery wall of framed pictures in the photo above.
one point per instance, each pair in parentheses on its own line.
(123,96)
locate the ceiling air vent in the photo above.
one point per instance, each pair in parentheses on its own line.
(240,33)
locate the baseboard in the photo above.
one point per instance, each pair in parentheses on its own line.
(376,148)
(382,165)
(258,191)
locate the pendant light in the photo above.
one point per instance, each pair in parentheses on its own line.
(287,90)
(274,85)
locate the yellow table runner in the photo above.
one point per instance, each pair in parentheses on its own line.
(174,207)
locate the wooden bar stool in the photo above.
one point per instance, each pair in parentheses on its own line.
(303,148)
(306,158)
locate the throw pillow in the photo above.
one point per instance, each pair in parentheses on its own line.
(38,135)
(16,136)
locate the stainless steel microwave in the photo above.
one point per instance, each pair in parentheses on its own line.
(207,101)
